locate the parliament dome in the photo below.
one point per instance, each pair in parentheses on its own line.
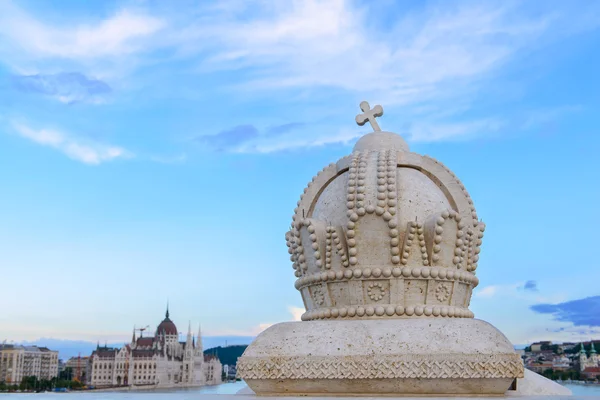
(167,326)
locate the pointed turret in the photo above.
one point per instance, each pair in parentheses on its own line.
(199,341)
(593,350)
(582,351)
(167,313)
(188,341)
(133,337)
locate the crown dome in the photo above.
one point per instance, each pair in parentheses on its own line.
(381,141)
(385,233)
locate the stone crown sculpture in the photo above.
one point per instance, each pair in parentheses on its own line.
(385,233)
(385,244)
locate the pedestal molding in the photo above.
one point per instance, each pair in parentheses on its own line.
(413,366)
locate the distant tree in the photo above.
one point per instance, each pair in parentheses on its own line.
(76,384)
(28,383)
(549,373)
(227,355)
(62,383)
(563,375)
(66,374)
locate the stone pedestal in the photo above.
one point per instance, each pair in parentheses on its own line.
(381,357)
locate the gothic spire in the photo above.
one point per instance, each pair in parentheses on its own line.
(189,334)
(167,313)
(199,343)
(593,350)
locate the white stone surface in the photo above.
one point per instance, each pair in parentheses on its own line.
(348,338)
(384,357)
(536,385)
(381,140)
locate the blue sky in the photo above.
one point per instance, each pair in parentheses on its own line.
(155,151)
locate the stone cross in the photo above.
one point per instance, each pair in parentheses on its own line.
(369,115)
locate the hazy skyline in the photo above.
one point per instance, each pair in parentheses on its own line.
(155,151)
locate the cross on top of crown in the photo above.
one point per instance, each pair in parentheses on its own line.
(369,114)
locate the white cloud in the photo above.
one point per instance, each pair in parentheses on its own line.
(295,314)
(114,36)
(87,152)
(435,59)
(516,291)
(433,132)
(536,118)
(488,291)
(418,132)
(295,141)
(428,63)
(423,54)
(333,43)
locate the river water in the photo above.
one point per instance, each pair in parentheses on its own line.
(195,393)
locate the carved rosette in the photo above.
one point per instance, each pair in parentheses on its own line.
(385,234)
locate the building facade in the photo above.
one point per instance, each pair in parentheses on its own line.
(161,360)
(18,362)
(561,363)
